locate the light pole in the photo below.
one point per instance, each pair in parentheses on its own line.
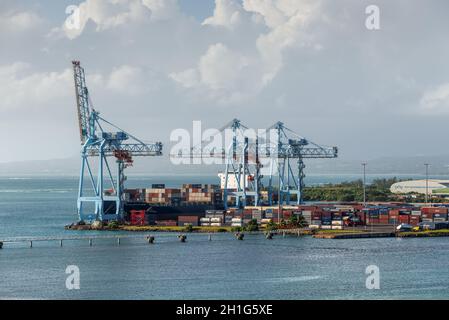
(364,183)
(427,182)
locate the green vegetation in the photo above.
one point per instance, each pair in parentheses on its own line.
(175,229)
(378,190)
(113,225)
(252,226)
(188,228)
(426,233)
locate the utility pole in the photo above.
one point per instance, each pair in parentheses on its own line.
(427,182)
(279,203)
(364,183)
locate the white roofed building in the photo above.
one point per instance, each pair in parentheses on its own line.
(435,187)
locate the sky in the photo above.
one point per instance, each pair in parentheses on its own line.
(154,66)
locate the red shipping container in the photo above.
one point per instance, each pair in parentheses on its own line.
(414,220)
(404,219)
(188,218)
(138,217)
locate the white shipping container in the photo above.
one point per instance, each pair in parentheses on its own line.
(326,227)
(236,224)
(205,224)
(337,222)
(216,219)
(416,213)
(337,227)
(205,219)
(316,222)
(236,220)
(215,224)
(314,226)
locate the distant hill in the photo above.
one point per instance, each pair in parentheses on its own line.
(163,166)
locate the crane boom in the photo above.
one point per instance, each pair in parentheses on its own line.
(82,100)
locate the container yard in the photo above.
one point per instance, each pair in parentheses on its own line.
(200,205)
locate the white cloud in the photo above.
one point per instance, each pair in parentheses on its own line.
(23,88)
(221,74)
(227,13)
(20,88)
(436,100)
(128,80)
(19,21)
(241,74)
(108,14)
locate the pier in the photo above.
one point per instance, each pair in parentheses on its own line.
(146,238)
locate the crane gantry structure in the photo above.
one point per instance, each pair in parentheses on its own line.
(100,145)
(241,159)
(246,155)
(286,148)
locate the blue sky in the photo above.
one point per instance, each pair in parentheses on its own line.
(154,66)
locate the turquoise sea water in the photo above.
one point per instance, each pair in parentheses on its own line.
(224,268)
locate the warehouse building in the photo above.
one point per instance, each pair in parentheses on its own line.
(435,187)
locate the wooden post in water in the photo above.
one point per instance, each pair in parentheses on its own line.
(90,242)
(31,244)
(60,243)
(118,241)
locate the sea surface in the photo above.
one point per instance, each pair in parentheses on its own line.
(224,268)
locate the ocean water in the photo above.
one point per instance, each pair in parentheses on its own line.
(224,268)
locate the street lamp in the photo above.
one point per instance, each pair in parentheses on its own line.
(427,181)
(364,183)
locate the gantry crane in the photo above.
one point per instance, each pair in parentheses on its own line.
(241,159)
(97,202)
(289,146)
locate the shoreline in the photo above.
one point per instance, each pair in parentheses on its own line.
(322,234)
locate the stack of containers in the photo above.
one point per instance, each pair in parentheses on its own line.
(205,222)
(435,214)
(337,219)
(315,218)
(215,217)
(162,195)
(187,220)
(393,216)
(383,216)
(247,215)
(269,213)
(372,215)
(308,216)
(236,222)
(257,214)
(415,219)
(197,193)
(404,215)
(134,195)
(361,215)
(326,219)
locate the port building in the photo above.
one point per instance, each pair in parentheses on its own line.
(435,187)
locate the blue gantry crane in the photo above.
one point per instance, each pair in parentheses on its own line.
(240,156)
(97,202)
(275,148)
(283,151)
